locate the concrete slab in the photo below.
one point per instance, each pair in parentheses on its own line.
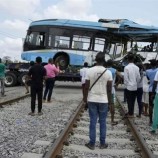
(41,142)
(32,155)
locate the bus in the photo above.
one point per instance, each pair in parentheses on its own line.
(73,42)
(68,42)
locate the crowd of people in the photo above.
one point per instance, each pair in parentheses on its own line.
(98,89)
(37,74)
(140,83)
(34,82)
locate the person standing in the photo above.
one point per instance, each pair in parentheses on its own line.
(155,108)
(27,79)
(37,73)
(83,73)
(131,79)
(52,71)
(98,98)
(115,74)
(145,97)
(140,90)
(150,73)
(2,77)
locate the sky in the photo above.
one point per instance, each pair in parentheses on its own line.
(16,15)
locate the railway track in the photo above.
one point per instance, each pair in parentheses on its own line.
(124,140)
(22,135)
(63,130)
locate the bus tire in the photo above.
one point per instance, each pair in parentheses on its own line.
(22,77)
(10,79)
(63,61)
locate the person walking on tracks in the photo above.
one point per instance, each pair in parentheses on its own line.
(52,71)
(98,88)
(37,73)
(2,77)
(131,79)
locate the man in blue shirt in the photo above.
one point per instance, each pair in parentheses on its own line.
(2,76)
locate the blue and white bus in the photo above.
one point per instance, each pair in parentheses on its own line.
(68,42)
(73,42)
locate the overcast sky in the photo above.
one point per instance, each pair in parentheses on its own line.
(16,15)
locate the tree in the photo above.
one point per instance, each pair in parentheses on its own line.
(7,59)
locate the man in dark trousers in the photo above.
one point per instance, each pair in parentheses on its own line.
(98,98)
(131,79)
(52,70)
(37,73)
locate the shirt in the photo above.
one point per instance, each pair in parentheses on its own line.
(150,73)
(140,82)
(83,73)
(113,71)
(156,79)
(2,70)
(145,84)
(98,93)
(52,70)
(37,72)
(131,76)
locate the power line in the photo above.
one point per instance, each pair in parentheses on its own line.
(9,35)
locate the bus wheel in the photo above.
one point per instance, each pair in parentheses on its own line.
(63,61)
(10,79)
(22,77)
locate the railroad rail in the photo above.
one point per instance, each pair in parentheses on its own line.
(144,149)
(61,136)
(63,140)
(10,101)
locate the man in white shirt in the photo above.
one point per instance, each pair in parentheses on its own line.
(131,79)
(98,99)
(83,73)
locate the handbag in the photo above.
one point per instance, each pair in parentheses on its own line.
(97,80)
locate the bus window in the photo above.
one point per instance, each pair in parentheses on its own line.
(36,39)
(81,42)
(99,44)
(62,42)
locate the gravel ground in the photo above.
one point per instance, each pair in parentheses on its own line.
(143,126)
(27,136)
(22,135)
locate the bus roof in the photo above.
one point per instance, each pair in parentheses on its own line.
(133,31)
(72,23)
(121,28)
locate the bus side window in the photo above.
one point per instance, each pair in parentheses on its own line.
(40,40)
(51,42)
(99,44)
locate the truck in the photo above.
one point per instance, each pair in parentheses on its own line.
(71,43)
